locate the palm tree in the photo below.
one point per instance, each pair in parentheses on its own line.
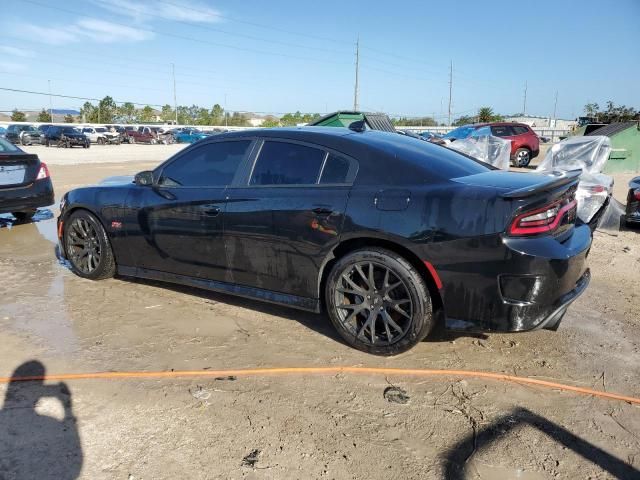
(485,114)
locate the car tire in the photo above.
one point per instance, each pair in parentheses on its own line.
(46,143)
(83,232)
(153,141)
(522,157)
(393,297)
(132,140)
(24,216)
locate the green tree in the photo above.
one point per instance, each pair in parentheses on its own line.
(147,114)
(270,122)
(69,118)
(188,115)
(127,111)
(591,109)
(107,110)
(44,116)
(217,115)
(463,120)
(88,112)
(485,114)
(414,122)
(204,118)
(18,116)
(167,114)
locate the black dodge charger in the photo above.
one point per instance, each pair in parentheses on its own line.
(386,233)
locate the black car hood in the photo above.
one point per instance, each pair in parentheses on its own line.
(116,180)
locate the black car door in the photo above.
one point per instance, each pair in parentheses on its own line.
(286,218)
(175,225)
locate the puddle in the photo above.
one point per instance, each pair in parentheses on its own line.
(32,297)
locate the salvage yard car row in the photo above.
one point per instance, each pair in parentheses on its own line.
(67,136)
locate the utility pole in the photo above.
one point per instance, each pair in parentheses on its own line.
(50,103)
(450,88)
(175,102)
(555,104)
(524,105)
(355,90)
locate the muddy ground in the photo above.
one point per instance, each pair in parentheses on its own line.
(296,426)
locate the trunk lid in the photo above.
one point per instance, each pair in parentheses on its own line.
(536,201)
(18,169)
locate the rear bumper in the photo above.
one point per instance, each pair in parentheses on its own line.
(29,197)
(520,285)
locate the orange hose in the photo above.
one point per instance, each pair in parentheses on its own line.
(326,370)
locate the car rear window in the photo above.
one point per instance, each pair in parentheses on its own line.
(519,130)
(450,164)
(501,131)
(282,163)
(335,170)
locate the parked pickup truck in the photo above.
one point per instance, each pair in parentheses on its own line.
(142,135)
(101,135)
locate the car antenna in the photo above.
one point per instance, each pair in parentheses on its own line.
(358,126)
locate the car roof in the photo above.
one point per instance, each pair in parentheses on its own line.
(378,149)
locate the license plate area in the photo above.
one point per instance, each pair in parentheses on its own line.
(12,174)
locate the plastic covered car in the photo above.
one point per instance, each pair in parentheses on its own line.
(485,147)
(588,154)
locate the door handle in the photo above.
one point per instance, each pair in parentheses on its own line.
(322,211)
(210,210)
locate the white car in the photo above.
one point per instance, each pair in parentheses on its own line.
(101,135)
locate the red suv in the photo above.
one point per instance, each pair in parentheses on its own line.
(525,144)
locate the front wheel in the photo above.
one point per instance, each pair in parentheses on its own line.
(378,302)
(522,157)
(87,247)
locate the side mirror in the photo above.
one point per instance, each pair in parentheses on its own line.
(144,178)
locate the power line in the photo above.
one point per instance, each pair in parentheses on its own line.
(73,97)
(259,25)
(191,39)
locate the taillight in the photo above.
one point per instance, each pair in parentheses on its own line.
(545,219)
(43,172)
(636,194)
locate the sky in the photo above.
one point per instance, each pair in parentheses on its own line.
(282,56)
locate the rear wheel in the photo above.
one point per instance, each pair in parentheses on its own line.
(87,247)
(522,157)
(24,216)
(378,302)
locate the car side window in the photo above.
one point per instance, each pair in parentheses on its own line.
(211,165)
(501,131)
(282,163)
(518,130)
(335,170)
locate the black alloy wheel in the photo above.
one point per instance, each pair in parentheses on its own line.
(87,247)
(378,302)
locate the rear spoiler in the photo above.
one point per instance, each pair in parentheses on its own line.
(18,156)
(556,179)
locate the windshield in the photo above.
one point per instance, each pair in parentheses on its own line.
(460,132)
(101,129)
(70,130)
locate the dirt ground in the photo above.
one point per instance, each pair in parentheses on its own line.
(295,426)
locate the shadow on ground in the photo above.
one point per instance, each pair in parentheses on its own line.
(34,445)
